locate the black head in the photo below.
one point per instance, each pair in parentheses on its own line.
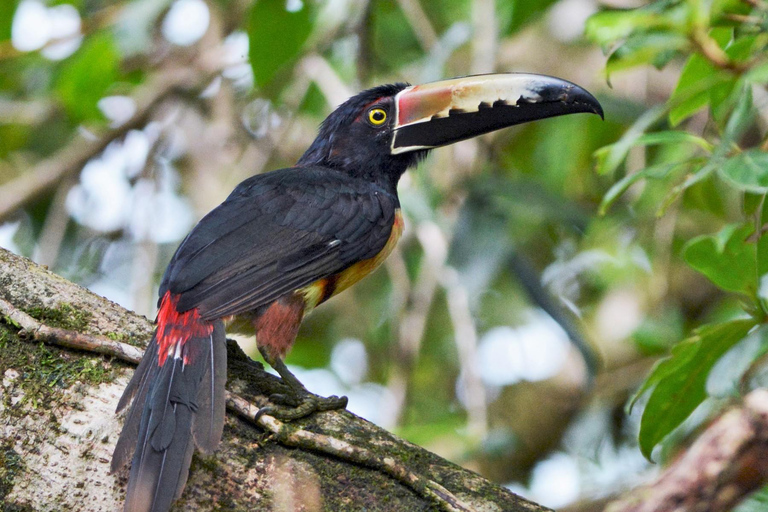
(381,132)
(356,138)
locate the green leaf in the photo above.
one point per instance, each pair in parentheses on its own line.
(87,75)
(692,179)
(657,334)
(393,43)
(740,119)
(621,186)
(678,382)
(758,74)
(673,137)
(720,8)
(701,83)
(610,157)
(747,171)
(7,10)
(757,502)
(276,36)
(654,48)
(608,27)
(725,378)
(727,258)
(743,48)
(694,89)
(762,250)
(514,15)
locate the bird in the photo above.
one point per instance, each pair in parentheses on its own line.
(285,241)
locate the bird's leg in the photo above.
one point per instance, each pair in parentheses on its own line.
(300,402)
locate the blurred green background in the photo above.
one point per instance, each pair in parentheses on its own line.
(544,269)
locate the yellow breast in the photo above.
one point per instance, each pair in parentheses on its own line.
(324,289)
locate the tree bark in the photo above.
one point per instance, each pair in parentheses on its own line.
(58,427)
(725,464)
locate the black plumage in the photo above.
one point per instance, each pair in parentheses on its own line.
(281,243)
(325,221)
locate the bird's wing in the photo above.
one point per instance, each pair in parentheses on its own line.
(276,233)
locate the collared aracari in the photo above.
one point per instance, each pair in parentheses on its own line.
(285,241)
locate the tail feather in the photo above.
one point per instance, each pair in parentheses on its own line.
(140,375)
(137,390)
(209,425)
(180,394)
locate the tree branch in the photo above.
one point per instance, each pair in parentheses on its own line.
(335,446)
(725,464)
(297,438)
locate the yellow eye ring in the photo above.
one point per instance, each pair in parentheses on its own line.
(377,116)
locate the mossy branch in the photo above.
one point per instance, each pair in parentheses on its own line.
(330,461)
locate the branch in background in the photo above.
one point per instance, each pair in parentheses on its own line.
(464,330)
(74,155)
(419,22)
(28,112)
(485,36)
(95,21)
(412,321)
(709,48)
(757,4)
(54,226)
(331,85)
(725,464)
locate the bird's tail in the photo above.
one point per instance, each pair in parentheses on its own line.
(178,403)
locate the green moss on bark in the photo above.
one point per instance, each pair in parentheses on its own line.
(11,465)
(44,371)
(64,316)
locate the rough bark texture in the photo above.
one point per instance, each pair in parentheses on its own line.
(58,428)
(723,466)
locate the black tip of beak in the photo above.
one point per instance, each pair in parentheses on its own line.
(575,98)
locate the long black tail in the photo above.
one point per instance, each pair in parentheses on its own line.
(178,392)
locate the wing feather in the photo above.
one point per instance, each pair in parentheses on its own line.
(278,232)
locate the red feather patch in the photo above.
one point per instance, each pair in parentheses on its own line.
(175,328)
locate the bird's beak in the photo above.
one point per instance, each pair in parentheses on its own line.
(440,113)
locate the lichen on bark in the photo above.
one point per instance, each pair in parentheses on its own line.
(58,428)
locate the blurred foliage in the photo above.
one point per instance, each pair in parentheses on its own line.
(642,235)
(724,45)
(276,36)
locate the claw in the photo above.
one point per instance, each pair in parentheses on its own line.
(309,404)
(298,402)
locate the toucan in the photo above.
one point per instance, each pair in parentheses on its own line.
(284,242)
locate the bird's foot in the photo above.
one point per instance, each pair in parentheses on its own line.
(295,402)
(289,408)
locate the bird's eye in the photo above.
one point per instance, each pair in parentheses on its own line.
(377,116)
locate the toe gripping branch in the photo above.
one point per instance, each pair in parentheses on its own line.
(296,402)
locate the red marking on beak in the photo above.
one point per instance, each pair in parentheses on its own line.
(419,103)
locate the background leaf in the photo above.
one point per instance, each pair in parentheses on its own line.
(276,35)
(86,77)
(727,258)
(747,171)
(7,9)
(679,381)
(689,95)
(515,14)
